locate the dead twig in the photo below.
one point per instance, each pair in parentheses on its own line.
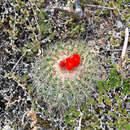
(102,7)
(19,61)
(116,50)
(80,121)
(124,46)
(22,57)
(63,9)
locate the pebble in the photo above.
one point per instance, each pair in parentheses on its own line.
(119,24)
(7,127)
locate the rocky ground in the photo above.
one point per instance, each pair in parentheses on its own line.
(28,26)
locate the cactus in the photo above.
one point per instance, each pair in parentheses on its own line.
(58,86)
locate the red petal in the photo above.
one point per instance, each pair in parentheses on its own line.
(62,64)
(69,64)
(76,59)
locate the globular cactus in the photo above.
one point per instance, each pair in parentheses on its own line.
(58,86)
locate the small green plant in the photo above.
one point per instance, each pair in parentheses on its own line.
(60,87)
(115,81)
(108,106)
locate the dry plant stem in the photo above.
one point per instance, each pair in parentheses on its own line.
(32,114)
(19,61)
(65,9)
(24,117)
(122,59)
(102,7)
(116,50)
(125,46)
(80,120)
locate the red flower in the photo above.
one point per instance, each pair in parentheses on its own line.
(62,64)
(69,64)
(76,59)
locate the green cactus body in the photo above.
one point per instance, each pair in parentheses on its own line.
(60,87)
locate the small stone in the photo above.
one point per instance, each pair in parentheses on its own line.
(7,127)
(119,24)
